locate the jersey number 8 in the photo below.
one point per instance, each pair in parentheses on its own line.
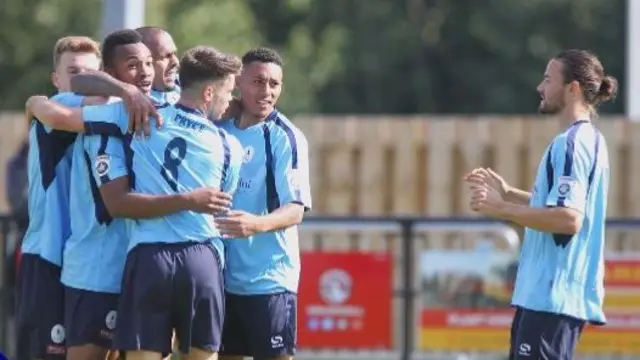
(174,153)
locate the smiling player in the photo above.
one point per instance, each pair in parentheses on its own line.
(263,258)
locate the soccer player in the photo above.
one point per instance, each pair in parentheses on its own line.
(173,273)
(263,259)
(95,253)
(559,286)
(41,333)
(165,63)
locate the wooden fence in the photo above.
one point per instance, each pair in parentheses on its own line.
(414,165)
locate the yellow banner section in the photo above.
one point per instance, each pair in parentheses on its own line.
(624,301)
(497,340)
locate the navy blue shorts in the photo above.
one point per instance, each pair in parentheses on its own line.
(39,312)
(167,287)
(260,326)
(542,335)
(89,317)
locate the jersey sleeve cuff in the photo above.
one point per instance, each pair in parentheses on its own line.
(307,207)
(107,178)
(88,129)
(565,204)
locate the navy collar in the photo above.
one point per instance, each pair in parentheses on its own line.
(190,110)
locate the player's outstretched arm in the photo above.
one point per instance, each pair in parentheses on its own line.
(139,106)
(122,203)
(57,116)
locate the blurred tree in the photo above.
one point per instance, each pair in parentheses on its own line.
(464,56)
(28,31)
(351,56)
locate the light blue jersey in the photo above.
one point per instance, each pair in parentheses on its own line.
(95,253)
(188,153)
(564,274)
(166,97)
(49,167)
(275,173)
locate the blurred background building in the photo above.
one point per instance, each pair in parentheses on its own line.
(398,99)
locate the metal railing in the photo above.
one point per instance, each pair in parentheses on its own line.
(407,230)
(404,237)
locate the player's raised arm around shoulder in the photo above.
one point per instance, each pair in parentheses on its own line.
(55,115)
(98,83)
(109,119)
(139,106)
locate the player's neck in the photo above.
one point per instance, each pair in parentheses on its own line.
(191,104)
(573,113)
(247,120)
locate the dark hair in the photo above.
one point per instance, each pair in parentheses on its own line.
(204,63)
(264,55)
(585,68)
(115,39)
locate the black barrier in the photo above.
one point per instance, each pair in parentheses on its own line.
(11,234)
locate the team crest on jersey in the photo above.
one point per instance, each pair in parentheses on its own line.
(565,184)
(101,164)
(248,154)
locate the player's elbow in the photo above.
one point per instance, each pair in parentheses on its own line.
(297,217)
(297,214)
(114,196)
(82,83)
(569,221)
(59,121)
(76,83)
(116,207)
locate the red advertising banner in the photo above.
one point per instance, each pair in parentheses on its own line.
(345,301)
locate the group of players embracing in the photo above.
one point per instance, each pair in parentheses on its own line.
(159,211)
